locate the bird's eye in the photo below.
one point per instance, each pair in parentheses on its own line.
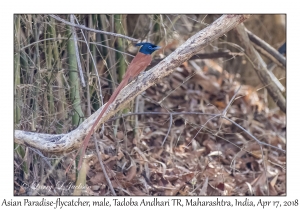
(149,47)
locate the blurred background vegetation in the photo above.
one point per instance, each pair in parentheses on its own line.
(49,97)
(50,94)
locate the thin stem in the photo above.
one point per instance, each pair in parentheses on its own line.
(93,30)
(103,168)
(77,51)
(260,142)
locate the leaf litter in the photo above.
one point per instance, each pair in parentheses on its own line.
(202,155)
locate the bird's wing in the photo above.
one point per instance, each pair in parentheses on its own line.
(138,64)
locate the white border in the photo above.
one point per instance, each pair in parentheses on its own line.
(153,6)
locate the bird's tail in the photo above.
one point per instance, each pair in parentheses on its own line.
(88,136)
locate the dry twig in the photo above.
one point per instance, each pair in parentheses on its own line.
(261,69)
(73,139)
(93,30)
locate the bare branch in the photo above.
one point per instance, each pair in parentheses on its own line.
(170,125)
(268,55)
(95,43)
(192,46)
(253,137)
(261,68)
(214,55)
(258,41)
(94,30)
(103,167)
(94,63)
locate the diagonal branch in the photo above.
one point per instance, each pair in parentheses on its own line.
(73,139)
(93,30)
(261,43)
(227,54)
(261,69)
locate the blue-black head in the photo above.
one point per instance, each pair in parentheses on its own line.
(147,48)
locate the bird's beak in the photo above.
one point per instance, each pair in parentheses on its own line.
(157,48)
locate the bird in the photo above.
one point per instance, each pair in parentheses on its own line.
(139,63)
(282,49)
